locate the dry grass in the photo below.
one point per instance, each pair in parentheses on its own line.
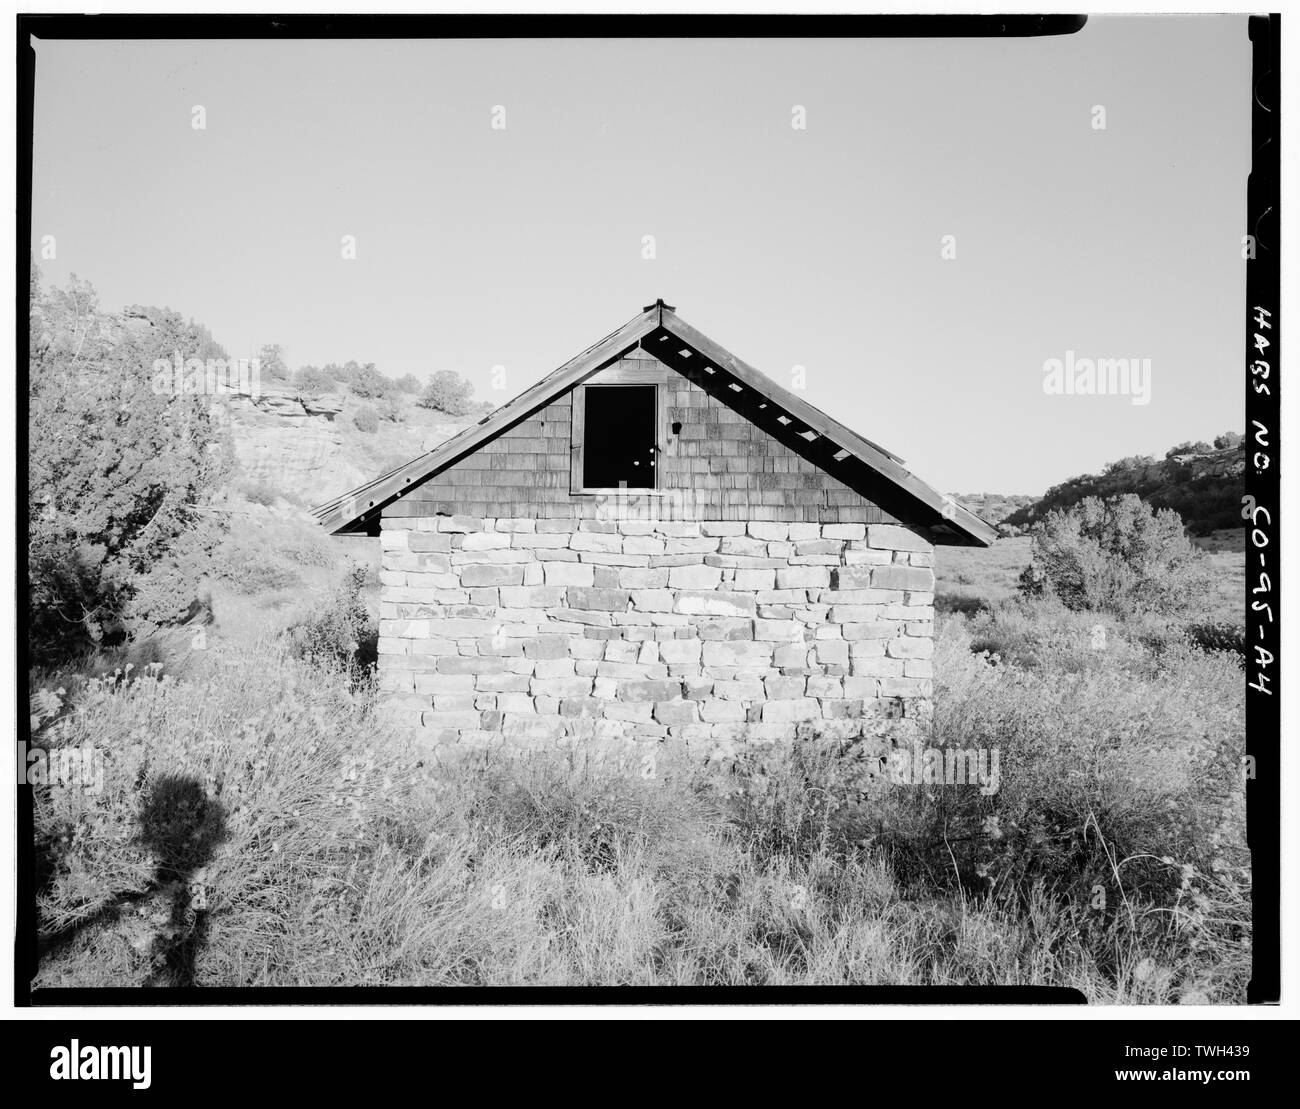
(259,826)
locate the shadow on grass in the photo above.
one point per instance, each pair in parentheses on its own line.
(181,828)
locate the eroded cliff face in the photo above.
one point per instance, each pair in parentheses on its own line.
(1229,462)
(309,448)
(291,443)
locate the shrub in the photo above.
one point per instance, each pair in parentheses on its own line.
(169,594)
(1199,447)
(1117,555)
(312,381)
(407,383)
(119,469)
(447,392)
(271,364)
(1227,439)
(1218,636)
(1119,794)
(366,419)
(342,636)
(1130,462)
(391,407)
(368,382)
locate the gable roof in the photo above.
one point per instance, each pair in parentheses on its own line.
(859,463)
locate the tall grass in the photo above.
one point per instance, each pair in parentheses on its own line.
(259,826)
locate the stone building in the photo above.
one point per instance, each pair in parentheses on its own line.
(655,543)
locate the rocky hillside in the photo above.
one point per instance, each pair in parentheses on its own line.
(310,448)
(1204,486)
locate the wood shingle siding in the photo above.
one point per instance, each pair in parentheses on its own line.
(725,467)
(738,419)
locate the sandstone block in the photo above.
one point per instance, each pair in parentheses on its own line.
(694,577)
(649,690)
(896,538)
(715,604)
(483,573)
(568,573)
(781,712)
(803,577)
(908,646)
(600,600)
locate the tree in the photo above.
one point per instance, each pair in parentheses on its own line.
(312,381)
(1199,447)
(447,392)
(121,463)
(1227,439)
(271,363)
(1117,555)
(368,382)
(408,383)
(1131,462)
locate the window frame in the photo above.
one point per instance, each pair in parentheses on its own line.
(615,377)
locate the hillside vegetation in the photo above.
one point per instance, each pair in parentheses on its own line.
(1203,483)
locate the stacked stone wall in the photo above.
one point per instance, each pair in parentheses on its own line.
(543,631)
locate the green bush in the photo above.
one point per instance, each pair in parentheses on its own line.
(1219,636)
(1120,794)
(312,381)
(407,383)
(447,392)
(342,635)
(1117,555)
(1130,462)
(1199,447)
(271,364)
(366,419)
(391,407)
(121,468)
(369,383)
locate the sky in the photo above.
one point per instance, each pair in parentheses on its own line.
(815,254)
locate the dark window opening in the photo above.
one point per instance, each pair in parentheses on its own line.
(619,441)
